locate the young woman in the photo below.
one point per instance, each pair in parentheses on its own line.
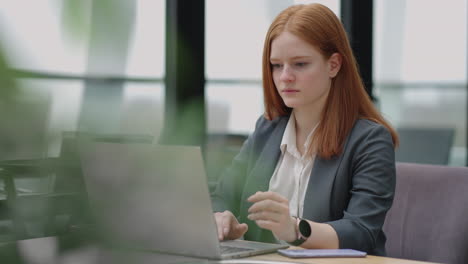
(319,169)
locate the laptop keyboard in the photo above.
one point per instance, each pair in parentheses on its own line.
(230,249)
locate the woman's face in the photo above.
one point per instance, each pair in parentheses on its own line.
(301,74)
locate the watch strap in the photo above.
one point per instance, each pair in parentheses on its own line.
(300,237)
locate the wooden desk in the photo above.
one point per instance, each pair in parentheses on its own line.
(30,249)
(367,260)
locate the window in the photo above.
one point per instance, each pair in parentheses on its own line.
(66,53)
(420,66)
(234,45)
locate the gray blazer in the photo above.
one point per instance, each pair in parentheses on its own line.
(352,192)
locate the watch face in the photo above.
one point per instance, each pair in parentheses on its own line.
(304,228)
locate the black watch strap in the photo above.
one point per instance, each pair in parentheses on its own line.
(297,242)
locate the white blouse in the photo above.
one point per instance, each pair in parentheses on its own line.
(292,173)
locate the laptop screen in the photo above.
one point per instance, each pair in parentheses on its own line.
(150,197)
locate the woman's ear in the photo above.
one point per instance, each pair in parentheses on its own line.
(334,64)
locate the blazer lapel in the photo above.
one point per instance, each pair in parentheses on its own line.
(259,180)
(259,177)
(318,194)
(317,206)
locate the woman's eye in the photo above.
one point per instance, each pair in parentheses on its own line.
(275,66)
(300,64)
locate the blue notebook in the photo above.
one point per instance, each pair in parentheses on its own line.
(322,253)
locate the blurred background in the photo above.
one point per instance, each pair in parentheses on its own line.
(189,72)
(79,60)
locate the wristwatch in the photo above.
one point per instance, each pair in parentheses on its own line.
(303,231)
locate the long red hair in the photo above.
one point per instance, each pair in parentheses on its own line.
(347,100)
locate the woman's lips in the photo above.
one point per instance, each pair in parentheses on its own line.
(290,91)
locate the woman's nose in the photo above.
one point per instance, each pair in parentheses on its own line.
(286,74)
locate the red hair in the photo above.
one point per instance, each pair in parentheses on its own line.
(347,100)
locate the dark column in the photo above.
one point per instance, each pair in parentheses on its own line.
(356,16)
(185,73)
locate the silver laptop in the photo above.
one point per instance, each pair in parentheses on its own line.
(156,198)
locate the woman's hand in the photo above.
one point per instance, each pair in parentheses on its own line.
(228,226)
(271,211)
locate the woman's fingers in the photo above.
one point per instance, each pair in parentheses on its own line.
(223,223)
(284,230)
(241,229)
(273,226)
(269,205)
(271,211)
(236,230)
(219,225)
(259,196)
(266,215)
(228,226)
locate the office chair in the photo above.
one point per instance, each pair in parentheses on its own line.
(70,178)
(425,145)
(429,217)
(65,204)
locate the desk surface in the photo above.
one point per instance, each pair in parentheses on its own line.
(45,248)
(367,260)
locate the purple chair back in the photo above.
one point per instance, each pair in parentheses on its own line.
(429,217)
